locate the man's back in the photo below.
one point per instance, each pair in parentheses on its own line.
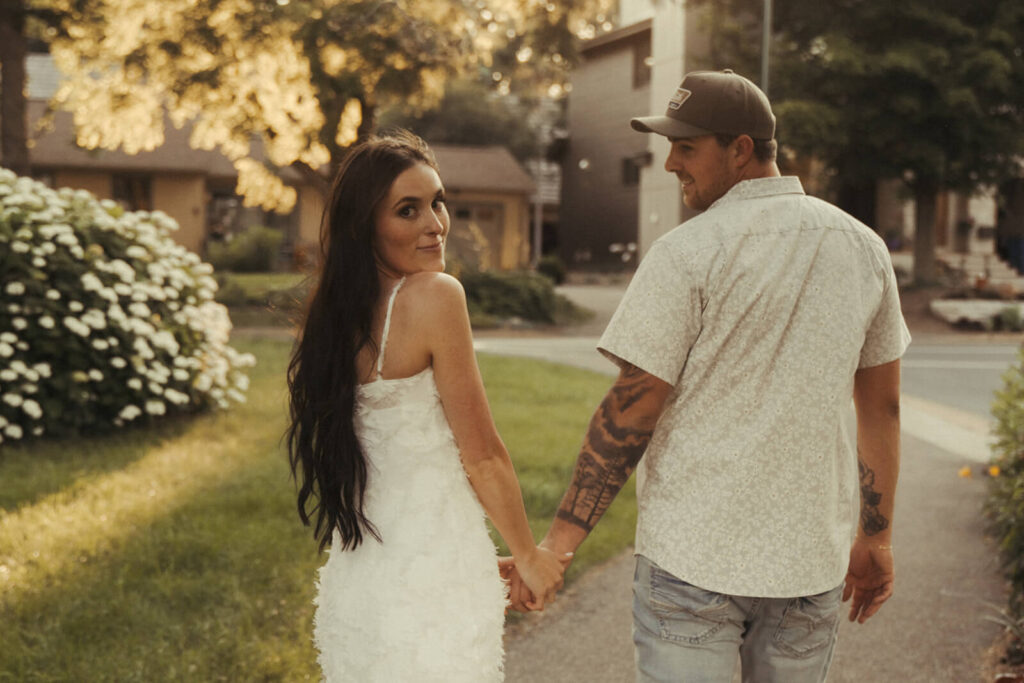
(768,307)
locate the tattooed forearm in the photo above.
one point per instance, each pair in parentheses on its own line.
(615,441)
(871,520)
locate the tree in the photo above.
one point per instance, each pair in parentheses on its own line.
(13,121)
(472,113)
(931,92)
(268,83)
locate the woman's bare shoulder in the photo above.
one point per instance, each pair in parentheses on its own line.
(434,292)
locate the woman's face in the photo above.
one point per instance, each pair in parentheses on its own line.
(411,224)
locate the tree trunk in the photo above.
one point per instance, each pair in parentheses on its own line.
(925,194)
(13,100)
(857,198)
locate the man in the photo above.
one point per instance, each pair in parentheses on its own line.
(741,340)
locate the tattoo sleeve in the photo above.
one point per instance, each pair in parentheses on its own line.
(871,520)
(617,437)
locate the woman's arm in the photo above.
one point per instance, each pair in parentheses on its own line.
(444,323)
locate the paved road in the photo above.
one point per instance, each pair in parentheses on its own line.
(933,628)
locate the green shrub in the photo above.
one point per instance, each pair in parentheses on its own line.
(552,267)
(104,319)
(516,294)
(1005,504)
(252,251)
(1010,319)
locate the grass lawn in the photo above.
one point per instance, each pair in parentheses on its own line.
(175,553)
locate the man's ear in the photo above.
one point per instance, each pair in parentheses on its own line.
(743,149)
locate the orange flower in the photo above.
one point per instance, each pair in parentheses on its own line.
(993,471)
(965,472)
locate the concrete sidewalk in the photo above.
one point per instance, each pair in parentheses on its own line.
(931,630)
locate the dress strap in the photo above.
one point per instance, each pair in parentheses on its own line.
(387,325)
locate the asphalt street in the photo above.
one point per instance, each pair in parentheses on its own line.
(933,629)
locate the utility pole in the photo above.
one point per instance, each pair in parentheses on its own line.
(766,41)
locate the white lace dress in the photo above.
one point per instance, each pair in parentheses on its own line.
(425,604)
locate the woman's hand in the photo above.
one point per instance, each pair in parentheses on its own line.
(542,571)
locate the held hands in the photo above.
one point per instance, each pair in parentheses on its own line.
(869,578)
(533,580)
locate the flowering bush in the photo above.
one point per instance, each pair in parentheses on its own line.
(1005,504)
(104,319)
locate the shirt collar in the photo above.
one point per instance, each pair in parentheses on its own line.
(760,187)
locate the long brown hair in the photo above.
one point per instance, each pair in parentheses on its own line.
(325,456)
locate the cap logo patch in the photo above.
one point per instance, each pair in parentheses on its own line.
(677,100)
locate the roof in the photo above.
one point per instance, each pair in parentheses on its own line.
(617,35)
(56,149)
(491,168)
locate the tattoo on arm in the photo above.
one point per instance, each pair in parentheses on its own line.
(612,447)
(871,520)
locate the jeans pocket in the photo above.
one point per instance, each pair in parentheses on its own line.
(809,623)
(685,613)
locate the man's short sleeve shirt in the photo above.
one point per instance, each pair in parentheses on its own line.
(758,312)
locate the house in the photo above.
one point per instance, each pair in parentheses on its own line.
(616,196)
(489,192)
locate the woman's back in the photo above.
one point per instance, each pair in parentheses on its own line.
(425,603)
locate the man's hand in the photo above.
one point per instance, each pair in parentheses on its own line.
(521,598)
(869,578)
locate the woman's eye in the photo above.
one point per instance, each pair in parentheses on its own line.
(439,202)
(406,211)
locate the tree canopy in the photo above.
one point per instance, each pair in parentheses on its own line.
(929,91)
(285,83)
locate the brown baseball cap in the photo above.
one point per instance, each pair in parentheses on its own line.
(709,102)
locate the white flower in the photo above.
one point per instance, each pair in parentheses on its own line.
(75,306)
(19,247)
(13,431)
(242,382)
(8,337)
(130,412)
(118,362)
(203,382)
(176,397)
(42,368)
(6,350)
(15,288)
(46,322)
(19,323)
(155,407)
(39,262)
(76,326)
(32,409)
(180,374)
(95,375)
(95,319)
(135,251)
(140,310)
(134,383)
(37,431)
(3,421)
(8,375)
(12,399)
(52,294)
(14,308)
(100,344)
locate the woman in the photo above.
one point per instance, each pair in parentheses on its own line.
(385,398)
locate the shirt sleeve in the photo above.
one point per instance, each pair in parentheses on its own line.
(887,336)
(658,319)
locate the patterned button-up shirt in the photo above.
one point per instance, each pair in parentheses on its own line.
(759,311)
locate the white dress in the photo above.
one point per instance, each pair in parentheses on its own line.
(427,603)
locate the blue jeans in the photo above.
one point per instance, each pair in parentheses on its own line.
(686,634)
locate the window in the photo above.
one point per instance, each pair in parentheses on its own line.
(642,62)
(133,192)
